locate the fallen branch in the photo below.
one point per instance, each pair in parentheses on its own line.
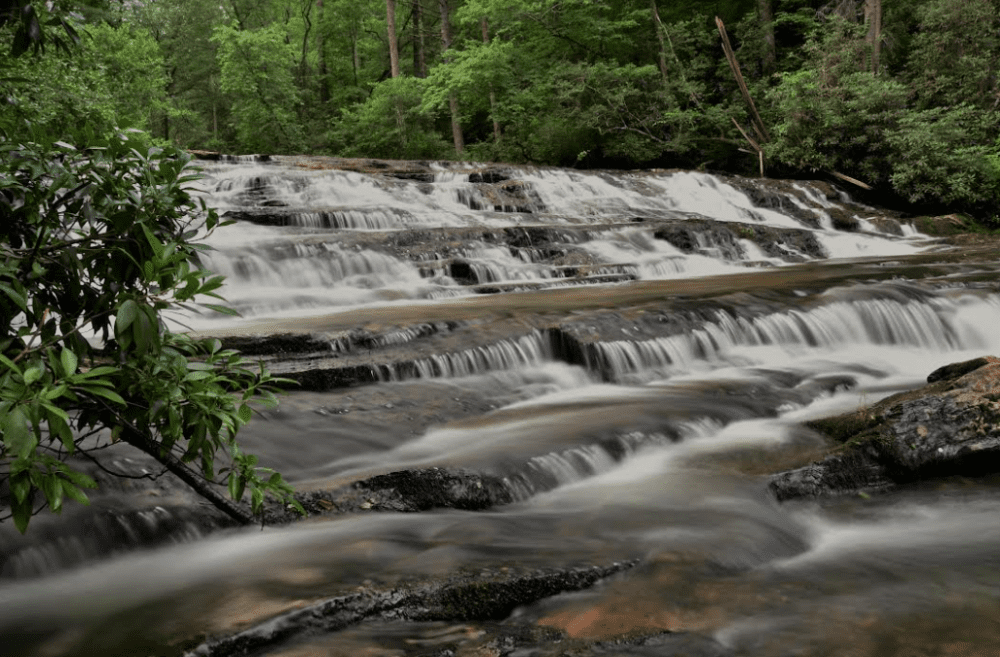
(853,181)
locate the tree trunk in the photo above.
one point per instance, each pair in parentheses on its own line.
(390,17)
(873,18)
(324,72)
(456,125)
(658,27)
(485,24)
(307,21)
(137,439)
(355,55)
(770,62)
(419,55)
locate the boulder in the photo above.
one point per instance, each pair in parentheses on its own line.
(949,427)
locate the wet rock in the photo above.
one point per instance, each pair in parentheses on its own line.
(491,176)
(887,225)
(480,596)
(703,238)
(278,344)
(844,220)
(418,176)
(420,490)
(949,427)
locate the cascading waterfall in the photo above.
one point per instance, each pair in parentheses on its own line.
(627,356)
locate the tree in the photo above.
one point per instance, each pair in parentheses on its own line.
(96,246)
(390,19)
(256,68)
(456,121)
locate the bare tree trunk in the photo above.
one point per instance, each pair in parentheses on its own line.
(758,124)
(419,53)
(390,17)
(767,26)
(485,24)
(873,18)
(456,125)
(658,27)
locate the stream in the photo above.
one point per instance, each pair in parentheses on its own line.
(630,354)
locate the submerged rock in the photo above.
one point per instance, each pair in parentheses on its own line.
(487,595)
(949,427)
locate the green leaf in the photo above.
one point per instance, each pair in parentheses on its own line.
(15,296)
(60,428)
(103,370)
(79,479)
(69,362)
(10,364)
(21,510)
(75,493)
(18,437)
(53,490)
(245,413)
(110,395)
(154,242)
(144,333)
(31,375)
(126,315)
(222,309)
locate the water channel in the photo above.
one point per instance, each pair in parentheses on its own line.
(631,353)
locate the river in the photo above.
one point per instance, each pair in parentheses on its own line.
(630,353)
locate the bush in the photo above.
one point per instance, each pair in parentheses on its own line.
(99,242)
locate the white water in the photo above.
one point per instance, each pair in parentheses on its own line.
(653,447)
(322,201)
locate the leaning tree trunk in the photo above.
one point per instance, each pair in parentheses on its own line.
(144,443)
(456,124)
(390,17)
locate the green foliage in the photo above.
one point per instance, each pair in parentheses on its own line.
(114,78)
(914,135)
(98,242)
(947,154)
(392,123)
(953,57)
(256,69)
(840,126)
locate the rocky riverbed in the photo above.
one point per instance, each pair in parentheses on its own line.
(546,412)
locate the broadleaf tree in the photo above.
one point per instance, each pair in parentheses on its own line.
(97,245)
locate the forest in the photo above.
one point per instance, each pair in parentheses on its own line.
(901,98)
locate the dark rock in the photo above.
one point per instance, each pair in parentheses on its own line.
(418,176)
(956,370)
(465,597)
(702,238)
(212,156)
(843,220)
(949,427)
(463,273)
(278,344)
(491,176)
(887,225)
(431,488)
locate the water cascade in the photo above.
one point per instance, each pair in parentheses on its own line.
(604,369)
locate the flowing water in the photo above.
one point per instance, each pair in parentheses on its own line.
(631,353)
